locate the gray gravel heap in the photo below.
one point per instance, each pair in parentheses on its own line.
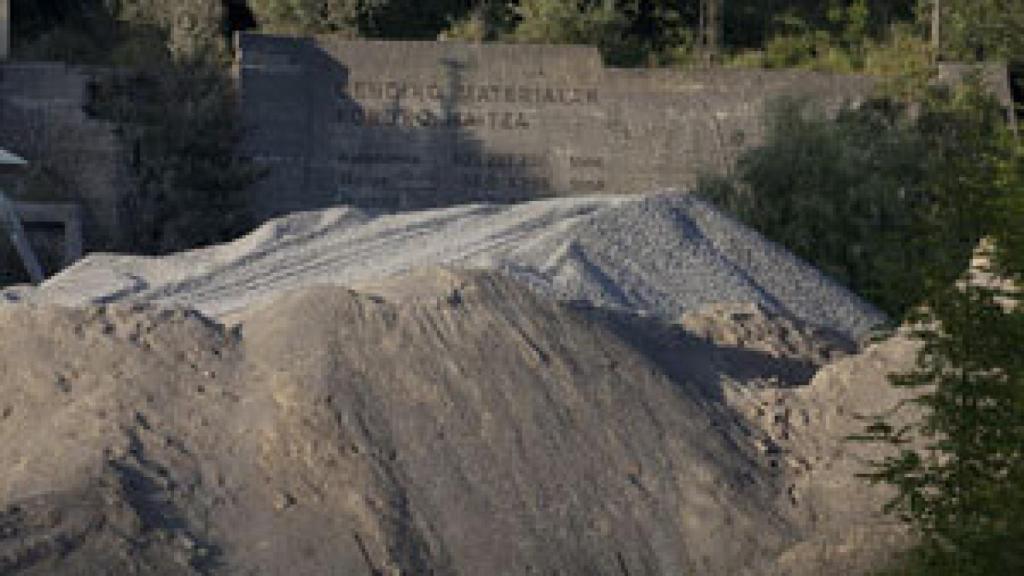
(669,254)
(659,255)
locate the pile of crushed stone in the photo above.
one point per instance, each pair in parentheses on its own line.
(443,422)
(661,255)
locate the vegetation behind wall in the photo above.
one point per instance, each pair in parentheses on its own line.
(170,95)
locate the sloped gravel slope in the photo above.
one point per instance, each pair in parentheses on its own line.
(660,255)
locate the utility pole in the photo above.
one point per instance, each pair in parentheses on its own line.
(710,34)
(5,29)
(937,30)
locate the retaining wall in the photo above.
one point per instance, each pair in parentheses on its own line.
(416,124)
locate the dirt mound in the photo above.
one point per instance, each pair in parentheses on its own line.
(445,422)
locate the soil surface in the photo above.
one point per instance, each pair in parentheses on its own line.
(440,421)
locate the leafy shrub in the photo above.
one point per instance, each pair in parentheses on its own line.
(956,470)
(488,20)
(180,127)
(839,193)
(854,194)
(895,205)
(306,16)
(572,22)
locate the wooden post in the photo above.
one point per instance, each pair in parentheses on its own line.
(10,220)
(937,30)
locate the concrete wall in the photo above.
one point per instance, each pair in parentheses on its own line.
(42,119)
(994,75)
(412,124)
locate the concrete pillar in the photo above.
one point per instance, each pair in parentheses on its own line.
(5,29)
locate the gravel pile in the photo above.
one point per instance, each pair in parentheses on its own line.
(669,254)
(659,255)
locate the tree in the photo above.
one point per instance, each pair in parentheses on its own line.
(368,18)
(628,32)
(178,122)
(569,21)
(976,30)
(488,20)
(1009,242)
(189,28)
(411,18)
(958,471)
(841,193)
(307,16)
(750,24)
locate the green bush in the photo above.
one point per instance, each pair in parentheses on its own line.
(895,205)
(306,16)
(839,193)
(983,30)
(573,22)
(180,127)
(854,194)
(957,470)
(488,20)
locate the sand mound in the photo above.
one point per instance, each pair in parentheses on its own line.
(444,422)
(661,255)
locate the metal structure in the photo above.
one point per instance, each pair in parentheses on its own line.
(14,216)
(12,164)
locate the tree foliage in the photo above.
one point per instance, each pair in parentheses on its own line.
(178,124)
(171,98)
(959,470)
(369,18)
(982,29)
(307,16)
(843,194)
(842,35)
(570,21)
(896,205)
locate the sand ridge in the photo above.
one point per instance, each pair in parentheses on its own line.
(445,422)
(613,385)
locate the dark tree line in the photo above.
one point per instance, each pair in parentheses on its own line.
(629,32)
